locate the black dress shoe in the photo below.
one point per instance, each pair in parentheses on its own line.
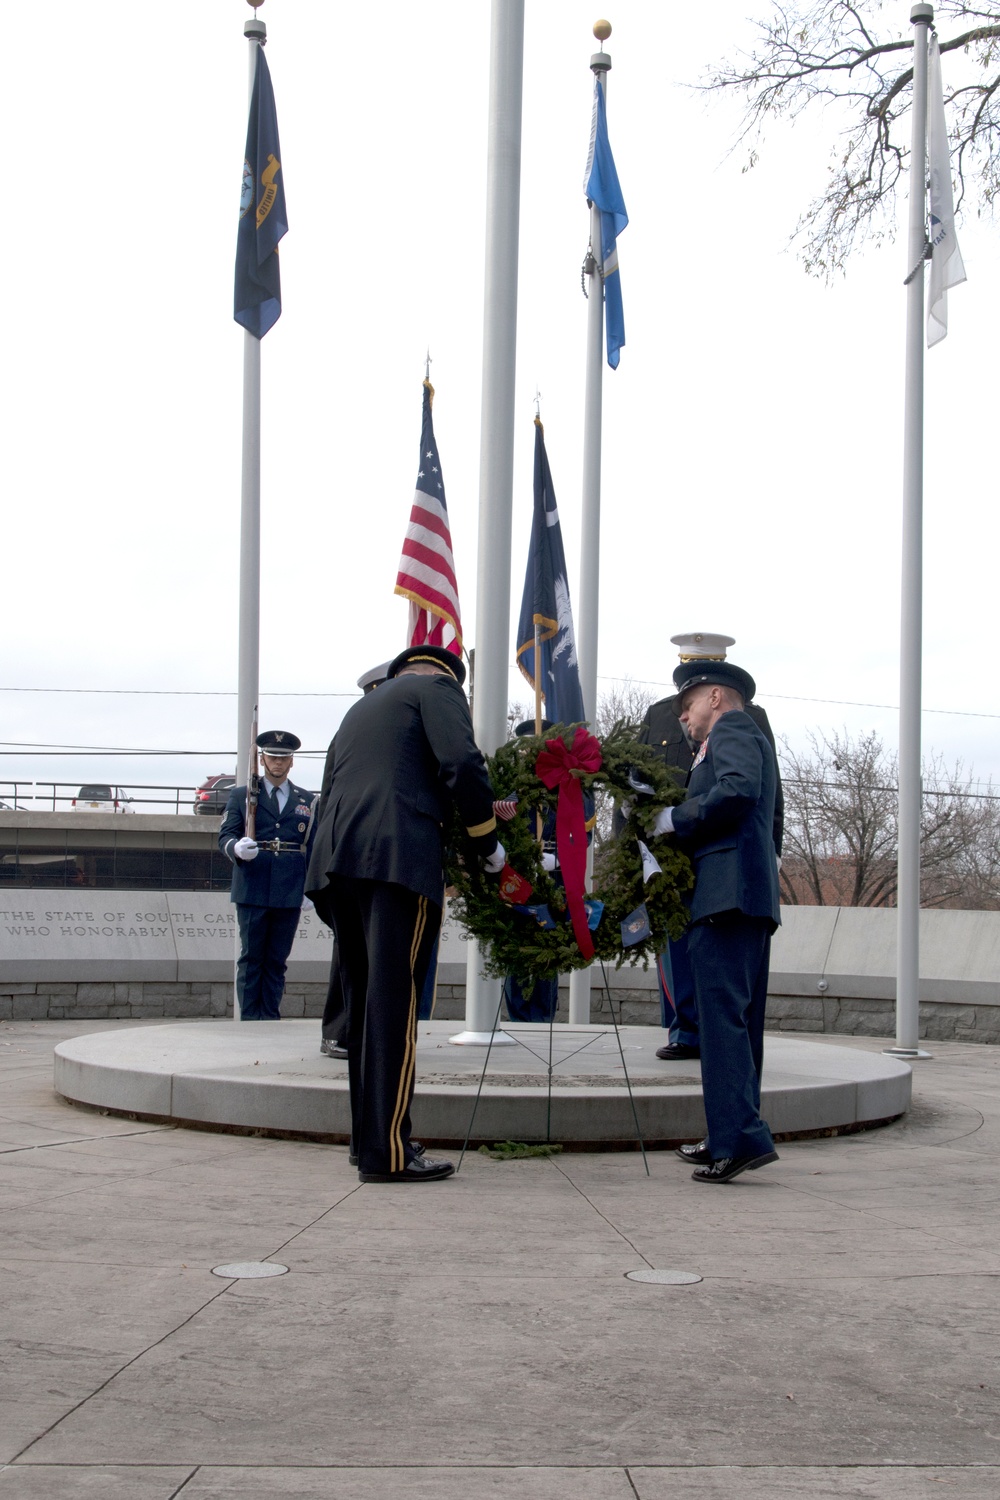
(728,1167)
(417,1146)
(698,1155)
(677,1052)
(332,1049)
(420,1169)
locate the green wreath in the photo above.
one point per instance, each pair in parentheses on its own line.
(513,941)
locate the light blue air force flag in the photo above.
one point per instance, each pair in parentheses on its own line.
(947,266)
(600,183)
(545,604)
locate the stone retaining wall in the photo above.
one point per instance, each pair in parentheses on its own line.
(151,954)
(149,1000)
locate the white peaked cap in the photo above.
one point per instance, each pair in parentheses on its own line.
(698,645)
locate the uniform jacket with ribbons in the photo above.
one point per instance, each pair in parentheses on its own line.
(726,822)
(270,879)
(662,730)
(403,756)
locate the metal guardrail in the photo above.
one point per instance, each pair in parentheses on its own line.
(36,796)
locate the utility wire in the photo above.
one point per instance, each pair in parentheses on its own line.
(19,747)
(963,713)
(170,692)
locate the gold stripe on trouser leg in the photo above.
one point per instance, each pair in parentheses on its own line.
(396,1159)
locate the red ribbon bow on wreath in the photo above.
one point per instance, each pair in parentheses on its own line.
(561,766)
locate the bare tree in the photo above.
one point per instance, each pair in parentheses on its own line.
(840,823)
(840,828)
(959,841)
(823,52)
(625,702)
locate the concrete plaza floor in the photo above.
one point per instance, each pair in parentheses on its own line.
(478,1337)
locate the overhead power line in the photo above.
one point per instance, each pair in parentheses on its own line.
(170,692)
(962,713)
(959,713)
(18,747)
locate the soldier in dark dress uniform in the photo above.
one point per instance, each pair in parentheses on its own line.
(663,731)
(268,885)
(333,1028)
(403,757)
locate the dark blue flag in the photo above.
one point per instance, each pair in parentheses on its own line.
(600,183)
(257,302)
(635,928)
(545,603)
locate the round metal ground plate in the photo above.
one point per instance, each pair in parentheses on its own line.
(664,1278)
(248,1270)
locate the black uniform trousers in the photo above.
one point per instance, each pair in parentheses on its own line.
(385,939)
(334,1024)
(266,937)
(729,955)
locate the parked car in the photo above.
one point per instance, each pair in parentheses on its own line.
(101,798)
(213,794)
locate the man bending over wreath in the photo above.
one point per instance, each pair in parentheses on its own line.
(402,758)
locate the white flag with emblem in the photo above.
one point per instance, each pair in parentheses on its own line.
(947,268)
(650,864)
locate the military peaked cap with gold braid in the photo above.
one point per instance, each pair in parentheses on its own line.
(436,655)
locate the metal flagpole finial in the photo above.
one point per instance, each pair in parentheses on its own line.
(538,404)
(601,62)
(255,30)
(427,366)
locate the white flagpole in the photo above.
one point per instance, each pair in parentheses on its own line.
(590,530)
(496,453)
(910,789)
(248,668)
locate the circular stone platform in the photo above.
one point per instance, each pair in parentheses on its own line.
(259,1075)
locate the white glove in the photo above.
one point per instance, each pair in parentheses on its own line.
(627,804)
(307,904)
(664,821)
(246,848)
(496,861)
(548,863)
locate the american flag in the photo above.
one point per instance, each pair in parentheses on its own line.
(427,567)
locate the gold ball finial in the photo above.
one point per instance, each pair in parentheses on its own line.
(255,4)
(602,29)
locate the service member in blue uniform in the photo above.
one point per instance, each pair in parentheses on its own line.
(403,757)
(726,824)
(662,730)
(268,885)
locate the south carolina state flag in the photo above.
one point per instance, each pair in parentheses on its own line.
(545,604)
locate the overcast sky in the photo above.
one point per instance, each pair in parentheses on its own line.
(752,435)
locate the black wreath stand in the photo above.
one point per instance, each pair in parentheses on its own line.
(630,776)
